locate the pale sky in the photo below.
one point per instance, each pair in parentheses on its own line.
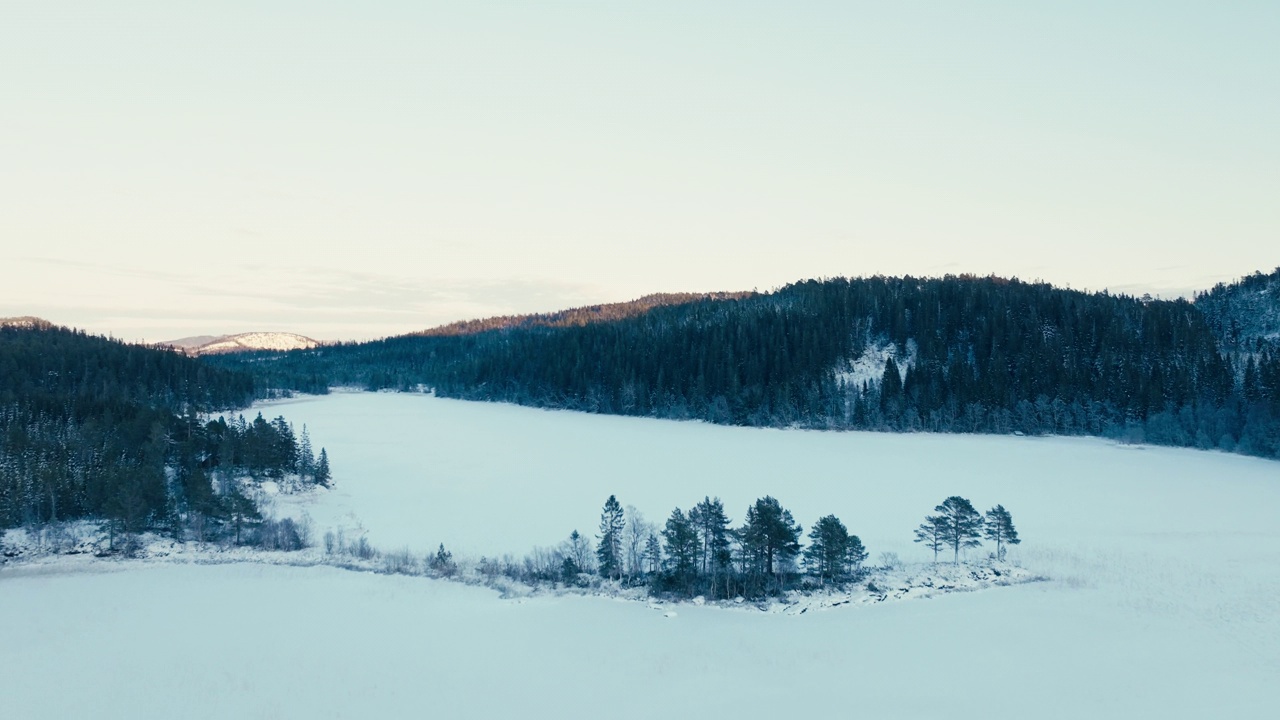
(358,169)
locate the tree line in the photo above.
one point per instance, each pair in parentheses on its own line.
(697,552)
(966,354)
(92,428)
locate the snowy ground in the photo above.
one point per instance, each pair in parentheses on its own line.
(1163,598)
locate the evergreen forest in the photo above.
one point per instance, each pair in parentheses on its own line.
(957,354)
(92,428)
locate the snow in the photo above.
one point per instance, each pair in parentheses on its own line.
(208,344)
(1162,598)
(259,341)
(868,368)
(26,322)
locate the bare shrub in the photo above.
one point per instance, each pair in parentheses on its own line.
(400,562)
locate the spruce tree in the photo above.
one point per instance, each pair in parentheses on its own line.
(306,457)
(653,553)
(609,552)
(999,529)
(442,563)
(322,474)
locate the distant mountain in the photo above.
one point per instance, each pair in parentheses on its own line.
(579,316)
(26,322)
(191,342)
(244,342)
(1244,315)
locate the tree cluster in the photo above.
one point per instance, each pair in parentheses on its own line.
(959,526)
(698,552)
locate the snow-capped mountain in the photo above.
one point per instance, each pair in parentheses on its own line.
(243,342)
(26,322)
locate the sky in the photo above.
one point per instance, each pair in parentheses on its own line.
(351,170)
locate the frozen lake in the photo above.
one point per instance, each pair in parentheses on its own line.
(1164,599)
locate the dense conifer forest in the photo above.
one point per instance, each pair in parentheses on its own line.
(95,428)
(952,354)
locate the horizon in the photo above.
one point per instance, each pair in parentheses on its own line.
(355,172)
(1189,296)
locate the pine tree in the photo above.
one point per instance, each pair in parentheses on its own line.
(827,556)
(712,526)
(1000,530)
(770,536)
(681,545)
(930,533)
(609,552)
(960,524)
(241,509)
(857,554)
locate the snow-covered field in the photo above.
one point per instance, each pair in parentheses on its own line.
(1163,598)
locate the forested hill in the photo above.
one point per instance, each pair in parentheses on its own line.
(953,354)
(572,317)
(1245,315)
(95,428)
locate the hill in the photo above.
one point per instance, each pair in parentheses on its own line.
(579,316)
(93,428)
(25,321)
(243,342)
(951,354)
(1244,315)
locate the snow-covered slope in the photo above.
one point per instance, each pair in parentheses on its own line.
(26,322)
(1163,598)
(209,345)
(187,343)
(1244,312)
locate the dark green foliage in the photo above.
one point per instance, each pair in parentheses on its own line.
(681,547)
(95,428)
(609,551)
(322,474)
(770,538)
(970,354)
(998,528)
(959,524)
(241,509)
(442,563)
(712,526)
(1244,315)
(833,554)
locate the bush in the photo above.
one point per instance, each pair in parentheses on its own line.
(285,535)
